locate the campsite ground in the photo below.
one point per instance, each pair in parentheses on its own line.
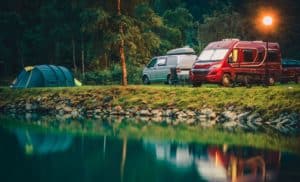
(269,101)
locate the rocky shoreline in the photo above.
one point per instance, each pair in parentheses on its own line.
(229,118)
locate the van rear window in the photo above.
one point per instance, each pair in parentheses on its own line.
(273,56)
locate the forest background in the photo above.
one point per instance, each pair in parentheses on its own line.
(84,35)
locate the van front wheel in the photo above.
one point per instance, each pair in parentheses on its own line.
(146,80)
(226,80)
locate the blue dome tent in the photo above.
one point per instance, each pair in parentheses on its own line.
(44,76)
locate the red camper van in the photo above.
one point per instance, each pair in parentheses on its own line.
(234,61)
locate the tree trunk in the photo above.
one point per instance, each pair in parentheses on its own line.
(121,48)
(82,58)
(74,55)
(106,61)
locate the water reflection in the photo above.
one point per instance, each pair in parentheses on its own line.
(219,163)
(239,164)
(62,157)
(42,143)
(177,155)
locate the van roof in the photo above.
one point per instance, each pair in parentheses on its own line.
(224,44)
(229,43)
(179,51)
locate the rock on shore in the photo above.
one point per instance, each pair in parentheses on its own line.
(229,119)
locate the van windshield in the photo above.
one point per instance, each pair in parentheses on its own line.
(212,54)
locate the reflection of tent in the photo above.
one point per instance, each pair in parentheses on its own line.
(40,143)
(44,76)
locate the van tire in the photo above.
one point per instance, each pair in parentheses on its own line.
(226,80)
(146,80)
(196,84)
(168,82)
(271,81)
(283,81)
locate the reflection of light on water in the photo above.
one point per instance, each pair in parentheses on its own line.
(217,159)
(210,171)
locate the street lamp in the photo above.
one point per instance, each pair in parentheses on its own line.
(267,22)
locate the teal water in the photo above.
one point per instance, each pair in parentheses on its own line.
(33,155)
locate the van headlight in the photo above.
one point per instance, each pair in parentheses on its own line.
(215,66)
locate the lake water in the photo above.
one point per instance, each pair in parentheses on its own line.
(29,154)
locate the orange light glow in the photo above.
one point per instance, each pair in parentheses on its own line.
(267,20)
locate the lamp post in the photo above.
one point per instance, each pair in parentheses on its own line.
(267,22)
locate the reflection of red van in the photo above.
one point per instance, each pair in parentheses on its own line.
(239,61)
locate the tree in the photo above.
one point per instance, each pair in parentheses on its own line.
(181,19)
(222,24)
(121,48)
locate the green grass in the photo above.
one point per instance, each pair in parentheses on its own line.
(181,133)
(268,101)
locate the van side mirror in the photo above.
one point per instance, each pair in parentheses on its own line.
(230,58)
(160,64)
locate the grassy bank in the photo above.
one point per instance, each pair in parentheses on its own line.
(268,101)
(180,133)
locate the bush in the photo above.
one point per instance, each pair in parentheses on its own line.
(113,75)
(134,75)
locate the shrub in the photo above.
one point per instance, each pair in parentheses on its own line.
(134,75)
(113,75)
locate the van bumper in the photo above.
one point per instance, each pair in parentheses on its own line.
(214,78)
(202,76)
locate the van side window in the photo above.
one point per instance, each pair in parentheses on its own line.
(248,55)
(161,62)
(273,56)
(260,56)
(152,63)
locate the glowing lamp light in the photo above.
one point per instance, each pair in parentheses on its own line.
(267,20)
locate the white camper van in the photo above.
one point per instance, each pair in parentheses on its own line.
(159,68)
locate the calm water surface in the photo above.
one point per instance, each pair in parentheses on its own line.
(30,155)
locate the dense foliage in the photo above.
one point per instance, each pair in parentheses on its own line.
(83,35)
